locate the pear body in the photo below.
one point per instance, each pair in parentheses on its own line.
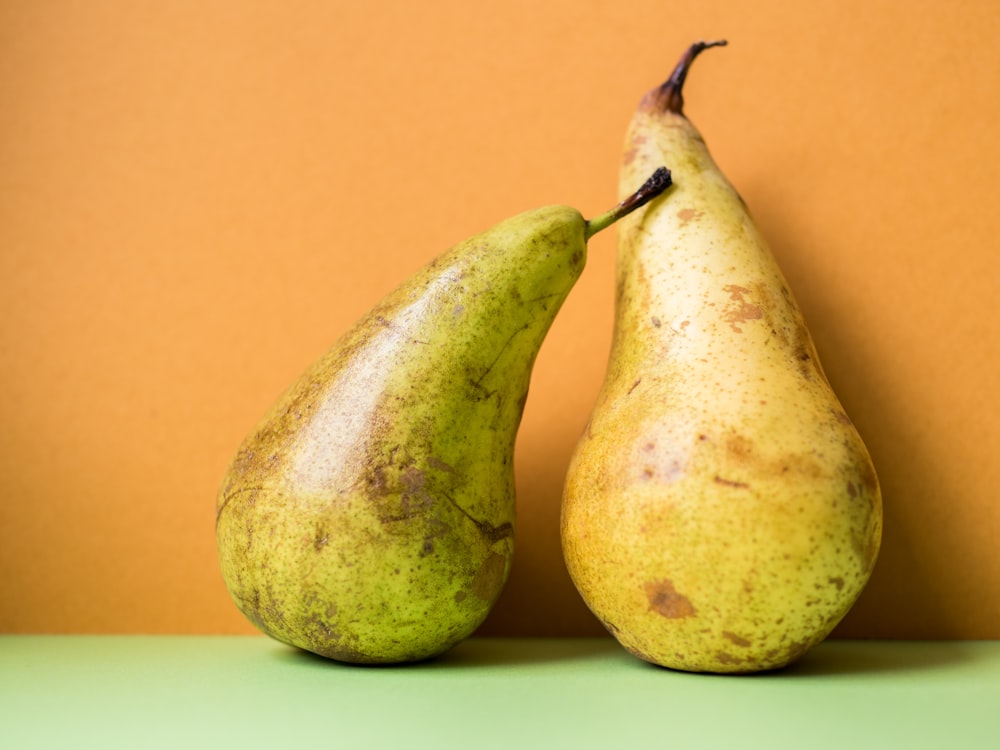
(369,517)
(721,513)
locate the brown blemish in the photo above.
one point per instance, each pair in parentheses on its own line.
(437,463)
(838,582)
(737,640)
(852,491)
(740,452)
(412,479)
(738,447)
(413,502)
(634,385)
(841,416)
(730,483)
(489,578)
(740,310)
(460,596)
(321,538)
(725,658)
(805,362)
(493,534)
(378,482)
(689,214)
(666,601)
(806,466)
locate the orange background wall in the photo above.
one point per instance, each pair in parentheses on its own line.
(197,198)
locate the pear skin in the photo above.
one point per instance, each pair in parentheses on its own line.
(369,517)
(721,513)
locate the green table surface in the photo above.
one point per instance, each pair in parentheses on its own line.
(250,692)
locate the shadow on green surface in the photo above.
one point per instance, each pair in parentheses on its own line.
(485,653)
(856,657)
(861,658)
(832,658)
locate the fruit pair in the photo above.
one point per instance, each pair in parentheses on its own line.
(720,513)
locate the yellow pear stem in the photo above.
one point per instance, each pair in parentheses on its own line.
(658,182)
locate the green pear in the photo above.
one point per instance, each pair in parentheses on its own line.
(369,517)
(720,513)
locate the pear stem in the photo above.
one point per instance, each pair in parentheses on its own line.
(658,182)
(669,97)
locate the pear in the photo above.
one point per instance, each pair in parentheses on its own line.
(720,513)
(369,517)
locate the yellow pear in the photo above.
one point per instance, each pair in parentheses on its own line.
(369,517)
(721,513)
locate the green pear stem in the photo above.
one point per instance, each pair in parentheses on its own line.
(659,181)
(669,96)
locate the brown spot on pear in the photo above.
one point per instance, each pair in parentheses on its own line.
(737,640)
(665,600)
(740,309)
(489,577)
(689,214)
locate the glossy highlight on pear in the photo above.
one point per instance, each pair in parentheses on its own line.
(369,517)
(721,512)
